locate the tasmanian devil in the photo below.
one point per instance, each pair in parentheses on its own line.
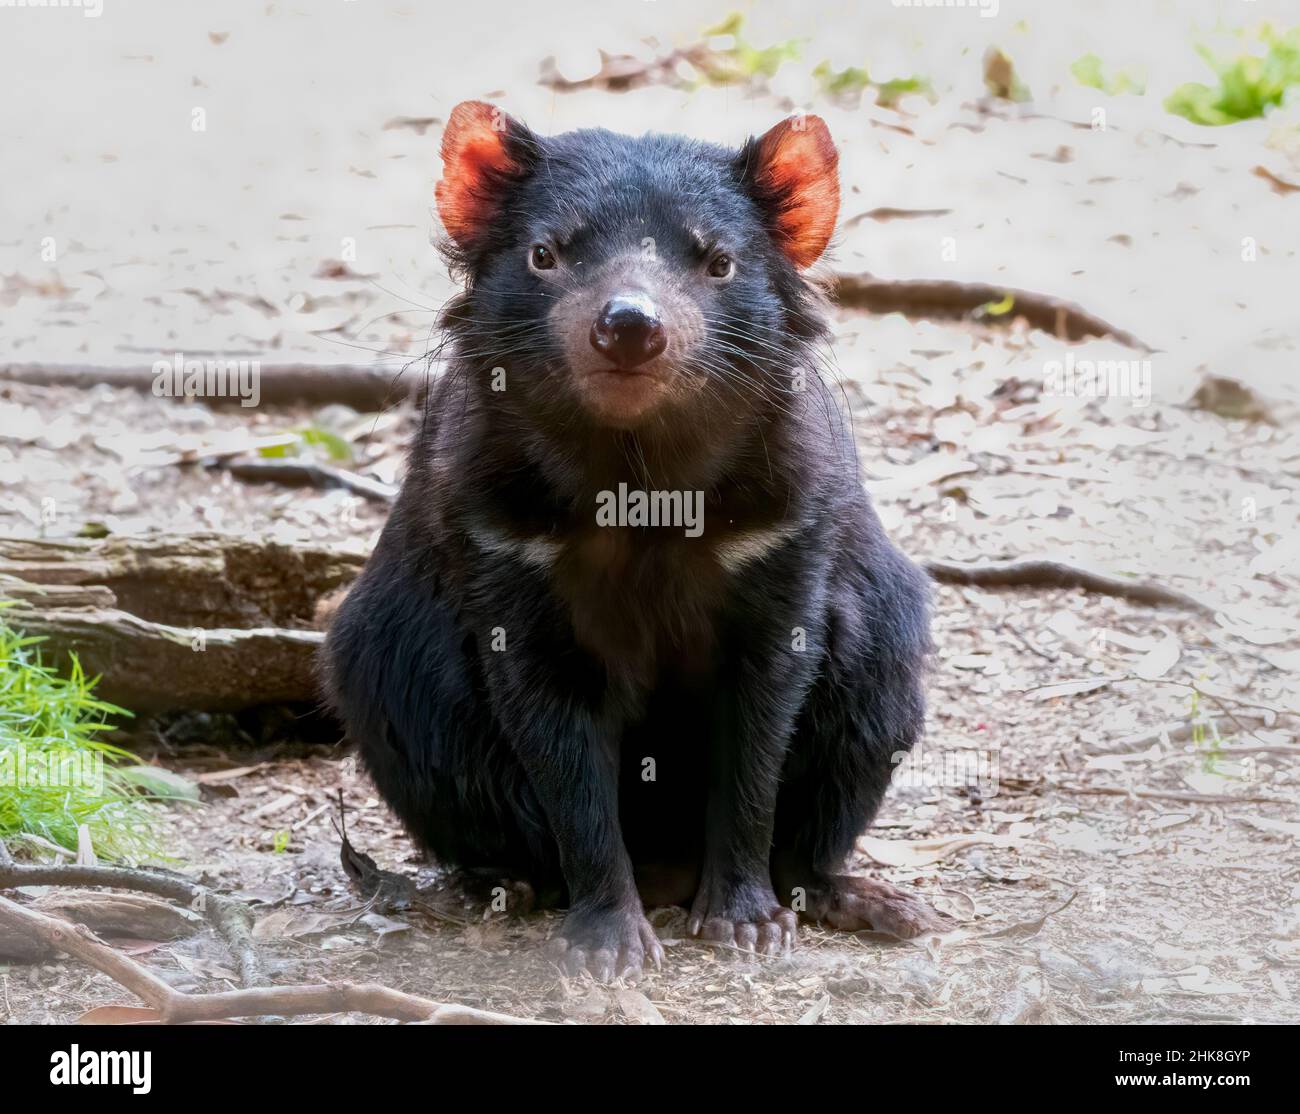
(633,633)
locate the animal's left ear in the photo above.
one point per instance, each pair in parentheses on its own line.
(792,171)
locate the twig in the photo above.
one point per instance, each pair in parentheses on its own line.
(298,824)
(1221,701)
(1185,730)
(1218,698)
(1044,654)
(231,919)
(1038,573)
(175,1006)
(302,473)
(1168,795)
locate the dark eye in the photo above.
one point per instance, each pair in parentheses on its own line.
(541,258)
(721,267)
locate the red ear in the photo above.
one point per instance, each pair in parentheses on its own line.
(794,171)
(480,156)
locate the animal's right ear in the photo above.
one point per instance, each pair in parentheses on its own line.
(484,153)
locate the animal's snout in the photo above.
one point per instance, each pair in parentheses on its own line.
(628,331)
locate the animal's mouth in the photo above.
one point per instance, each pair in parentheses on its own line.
(630,373)
(662,369)
(623,396)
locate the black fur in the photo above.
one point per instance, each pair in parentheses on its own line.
(772,748)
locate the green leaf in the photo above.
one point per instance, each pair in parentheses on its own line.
(1087,71)
(997,309)
(731,25)
(334,446)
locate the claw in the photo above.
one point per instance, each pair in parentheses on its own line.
(605,944)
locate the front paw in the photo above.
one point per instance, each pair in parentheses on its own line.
(606,943)
(747,917)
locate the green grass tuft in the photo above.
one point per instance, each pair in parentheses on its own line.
(57,772)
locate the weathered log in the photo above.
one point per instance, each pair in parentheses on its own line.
(203,623)
(153,667)
(198,580)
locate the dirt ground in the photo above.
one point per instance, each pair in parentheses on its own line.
(1128,852)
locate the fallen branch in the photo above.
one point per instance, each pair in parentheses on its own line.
(301,473)
(363,387)
(231,919)
(1037,573)
(137,916)
(176,1007)
(946,298)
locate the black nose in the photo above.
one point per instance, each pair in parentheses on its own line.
(628,331)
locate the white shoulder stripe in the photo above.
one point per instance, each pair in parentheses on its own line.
(739,551)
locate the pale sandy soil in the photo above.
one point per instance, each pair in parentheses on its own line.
(1178,909)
